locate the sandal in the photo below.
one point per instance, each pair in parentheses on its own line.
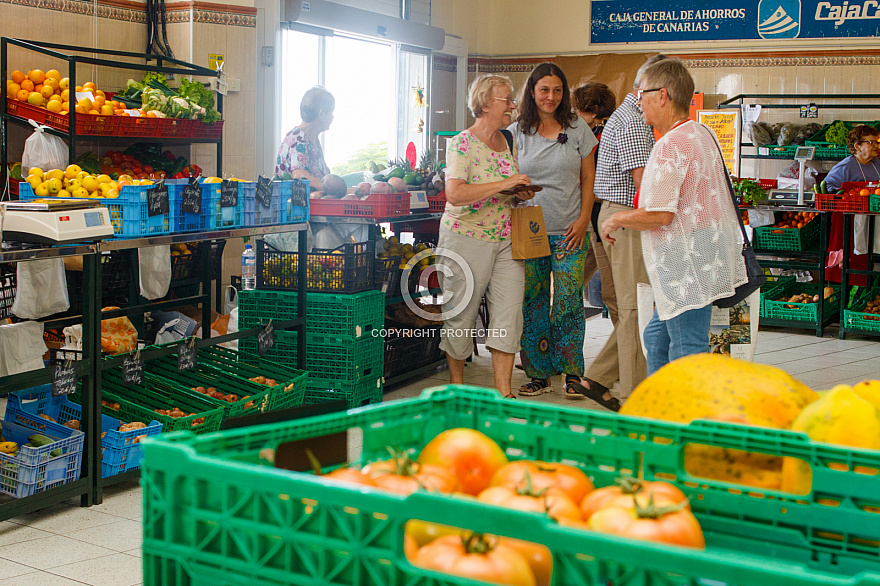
(597,392)
(537,386)
(572,392)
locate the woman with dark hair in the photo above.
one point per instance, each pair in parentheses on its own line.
(862,165)
(556,152)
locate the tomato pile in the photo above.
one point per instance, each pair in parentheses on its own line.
(795,219)
(466,463)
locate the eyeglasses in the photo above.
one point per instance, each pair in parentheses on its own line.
(640,92)
(510,101)
(871,142)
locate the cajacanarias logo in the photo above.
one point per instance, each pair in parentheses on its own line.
(779,19)
(534,227)
(841,13)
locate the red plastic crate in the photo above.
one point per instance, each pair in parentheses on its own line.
(207,131)
(13,188)
(90,124)
(377,205)
(423,227)
(437,203)
(137,126)
(768,183)
(38,115)
(841,202)
(174,128)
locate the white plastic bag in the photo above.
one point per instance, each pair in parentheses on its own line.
(230,299)
(154,264)
(43,150)
(645,303)
(21,347)
(41,289)
(232,328)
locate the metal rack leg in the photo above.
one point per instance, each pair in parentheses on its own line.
(844,280)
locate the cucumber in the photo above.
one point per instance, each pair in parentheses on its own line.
(823,188)
(38,441)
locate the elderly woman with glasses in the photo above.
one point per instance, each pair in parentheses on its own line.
(474,251)
(555,148)
(862,165)
(690,232)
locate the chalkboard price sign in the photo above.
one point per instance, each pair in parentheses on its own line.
(64,379)
(157,200)
(186,356)
(300,196)
(133,370)
(264,191)
(266,338)
(228,194)
(192,198)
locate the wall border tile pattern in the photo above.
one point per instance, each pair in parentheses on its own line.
(124,10)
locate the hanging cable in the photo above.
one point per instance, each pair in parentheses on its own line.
(157,37)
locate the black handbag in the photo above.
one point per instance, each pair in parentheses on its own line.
(754,272)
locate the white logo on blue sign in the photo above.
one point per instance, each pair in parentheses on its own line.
(779,19)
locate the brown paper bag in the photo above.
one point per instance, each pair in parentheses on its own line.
(529,233)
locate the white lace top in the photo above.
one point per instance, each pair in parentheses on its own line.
(697,258)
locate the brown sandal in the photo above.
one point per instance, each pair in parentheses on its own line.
(572,391)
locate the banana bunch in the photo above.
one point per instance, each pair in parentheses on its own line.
(10,448)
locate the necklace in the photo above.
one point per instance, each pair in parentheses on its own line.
(863,171)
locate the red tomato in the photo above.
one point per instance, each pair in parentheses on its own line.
(545,475)
(343,474)
(403,476)
(472,457)
(538,557)
(474,558)
(552,501)
(602,496)
(674,528)
(147,169)
(410,547)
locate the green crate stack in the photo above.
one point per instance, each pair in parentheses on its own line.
(775,309)
(857,318)
(248,522)
(875,203)
(356,394)
(798,239)
(331,358)
(825,149)
(351,316)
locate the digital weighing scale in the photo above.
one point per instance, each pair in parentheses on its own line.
(788,196)
(418,200)
(54,221)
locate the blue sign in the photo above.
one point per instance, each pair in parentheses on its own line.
(638,21)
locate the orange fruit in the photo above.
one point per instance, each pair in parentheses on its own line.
(46,91)
(81,109)
(12,88)
(53,73)
(54,106)
(78,88)
(107,110)
(35,99)
(85,103)
(865,192)
(64,83)
(65,95)
(27,85)
(17,76)
(89,85)
(36,75)
(100,94)
(98,102)
(65,106)
(51,81)
(93,112)
(22,95)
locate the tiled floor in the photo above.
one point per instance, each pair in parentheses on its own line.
(100,546)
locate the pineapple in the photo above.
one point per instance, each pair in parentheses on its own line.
(427,162)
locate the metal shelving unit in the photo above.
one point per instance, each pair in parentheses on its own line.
(873,271)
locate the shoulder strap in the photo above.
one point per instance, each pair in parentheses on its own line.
(508,136)
(730,188)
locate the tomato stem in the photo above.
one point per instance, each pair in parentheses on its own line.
(529,488)
(479,543)
(652,511)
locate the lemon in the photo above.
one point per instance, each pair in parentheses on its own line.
(82,175)
(35,99)
(112,194)
(85,103)
(53,174)
(80,192)
(90,183)
(54,106)
(54,186)
(42,190)
(73,184)
(63,193)
(102,178)
(64,83)
(72,171)
(34,181)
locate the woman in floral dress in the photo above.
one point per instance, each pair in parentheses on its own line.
(300,153)
(474,249)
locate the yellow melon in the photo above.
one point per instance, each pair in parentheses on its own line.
(869,390)
(840,417)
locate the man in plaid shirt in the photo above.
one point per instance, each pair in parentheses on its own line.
(623,152)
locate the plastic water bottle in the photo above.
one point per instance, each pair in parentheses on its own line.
(248,268)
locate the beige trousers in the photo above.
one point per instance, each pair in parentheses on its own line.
(622,354)
(598,260)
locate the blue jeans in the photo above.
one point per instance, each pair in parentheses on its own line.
(684,334)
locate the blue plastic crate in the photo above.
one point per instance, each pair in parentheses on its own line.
(129,212)
(120,452)
(291,214)
(34,470)
(183,222)
(254,214)
(219,218)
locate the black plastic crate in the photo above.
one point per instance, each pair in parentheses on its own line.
(345,269)
(115,271)
(186,266)
(386,276)
(7,289)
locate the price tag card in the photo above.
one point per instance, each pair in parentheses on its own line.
(64,379)
(191,202)
(266,338)
(264,191)
(300,196)
(186,356)
(133,370)
(157,200)
(228,194)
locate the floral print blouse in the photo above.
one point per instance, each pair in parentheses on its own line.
(296,152)
(470,160)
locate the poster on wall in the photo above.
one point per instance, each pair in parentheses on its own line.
(726,125)
(639,21)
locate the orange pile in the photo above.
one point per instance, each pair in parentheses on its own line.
(51,91)
(795,219)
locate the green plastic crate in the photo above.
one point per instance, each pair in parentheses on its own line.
(825,149)
(327,357)
(356,394)
(875,203)
(799,239)
(138,403)
(855,317)
(772,290)
(778,152)
(775,309)
(213,514)
(352,315)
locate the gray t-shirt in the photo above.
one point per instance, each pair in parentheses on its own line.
(557,168)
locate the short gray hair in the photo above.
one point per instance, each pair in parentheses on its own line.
(675,77)
(480,93)
(314,101)
(646,65)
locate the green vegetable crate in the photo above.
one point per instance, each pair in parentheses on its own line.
(825,149)
(875,203)
(349,315)
(774,309)
(217,512)
(355,394)
(229,372)
(797,239)
(857,318)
